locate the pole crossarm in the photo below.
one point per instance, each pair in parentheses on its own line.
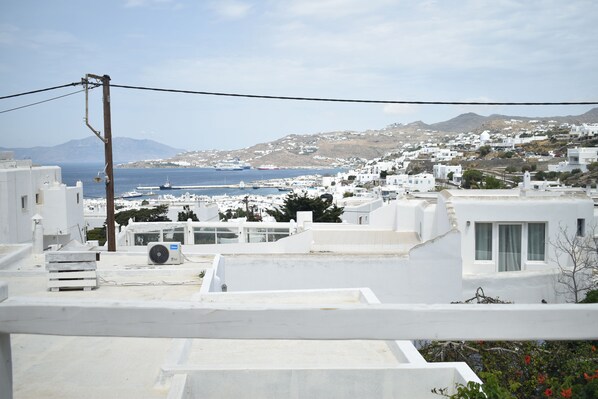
(170,319)
(85,82)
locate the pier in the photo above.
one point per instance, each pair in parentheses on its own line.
(199,187)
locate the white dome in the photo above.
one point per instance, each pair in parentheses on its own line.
(485,136)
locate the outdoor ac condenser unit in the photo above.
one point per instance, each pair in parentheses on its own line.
(164,253)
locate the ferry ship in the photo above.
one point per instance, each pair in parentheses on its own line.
(232,164)
(268,167)
(131,194)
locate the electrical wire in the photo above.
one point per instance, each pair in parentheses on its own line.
(293,98)
(43,101)
(343,100)
(41,90)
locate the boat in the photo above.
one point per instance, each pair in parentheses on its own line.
(167,186)
(268,167)
(232,164)
(131,194)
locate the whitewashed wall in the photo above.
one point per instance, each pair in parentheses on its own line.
(553,209)
(18,179)
(400,382)
(430,274)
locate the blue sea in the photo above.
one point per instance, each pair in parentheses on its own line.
(129,179)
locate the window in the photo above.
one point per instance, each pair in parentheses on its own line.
(536,241)
(38,198)
(77,198)
(23,202)
(483,241)
(581,227)
(509,247)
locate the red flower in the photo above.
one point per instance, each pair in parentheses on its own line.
(566,393)
(527,359)
(590,377)
(593,348)
(541,378)
(548,392)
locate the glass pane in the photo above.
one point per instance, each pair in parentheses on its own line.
(509,247)
(225,236)
(176,234)
(483,241)
(145,238)
(204,235)
(256,237)
(276,236)
(536,241)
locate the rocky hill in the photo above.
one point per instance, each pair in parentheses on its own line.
(344,148)
(91,150)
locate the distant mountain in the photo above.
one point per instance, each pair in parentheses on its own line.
(346,148)
(471,122)
(91,150)
(462,123)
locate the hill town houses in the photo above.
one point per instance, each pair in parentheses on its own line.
(284,309)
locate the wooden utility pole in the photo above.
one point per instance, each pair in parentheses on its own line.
(110,233)
(109,171)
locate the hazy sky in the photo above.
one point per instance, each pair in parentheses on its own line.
(495,50)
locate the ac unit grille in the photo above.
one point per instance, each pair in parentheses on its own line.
(159,254)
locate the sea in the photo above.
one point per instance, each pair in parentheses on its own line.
(128,179)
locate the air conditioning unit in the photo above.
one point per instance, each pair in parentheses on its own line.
(164,253)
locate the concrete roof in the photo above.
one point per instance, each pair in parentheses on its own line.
(99,367)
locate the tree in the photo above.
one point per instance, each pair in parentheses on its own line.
(576,257)
(450,175)
(540,175)
(99,233)
(187,214)
(485,150)
(491,182)
(472,178)
(323,209)
(157,214)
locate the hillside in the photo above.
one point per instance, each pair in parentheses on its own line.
(91,150)
(344,148)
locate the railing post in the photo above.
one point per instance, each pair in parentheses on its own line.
(5,355)
(189,236)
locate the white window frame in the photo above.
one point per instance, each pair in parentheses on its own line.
(536,262)
(524,244)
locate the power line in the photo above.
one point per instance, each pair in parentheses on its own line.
(41,102)
(40,90)
(343,100)
(293,98)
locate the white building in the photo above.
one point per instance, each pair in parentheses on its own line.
(445,155)
(577,158)
(297,309)
(586,130)
(441,171)
(422,182)
(28,192)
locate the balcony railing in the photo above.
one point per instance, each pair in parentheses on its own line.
(197,233)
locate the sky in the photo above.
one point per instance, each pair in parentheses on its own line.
(450,50)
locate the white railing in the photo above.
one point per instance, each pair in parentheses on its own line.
(170,319)
(193,233)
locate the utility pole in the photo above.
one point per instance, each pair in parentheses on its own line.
(107,139)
